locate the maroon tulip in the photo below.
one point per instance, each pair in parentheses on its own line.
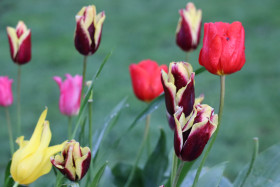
(20,43)
(145,78)
(223,50)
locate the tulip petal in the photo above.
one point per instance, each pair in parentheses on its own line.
(170,93)
(82,38)
(98,28)
(13,40)
(178,137)
(82,163)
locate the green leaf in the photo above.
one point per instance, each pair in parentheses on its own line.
(98,175)
(88,93)
(157,163)
(121,172)
(60,179)
(8,179)
(266,170)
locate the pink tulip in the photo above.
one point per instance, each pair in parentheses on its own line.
(6,94)
(70,94)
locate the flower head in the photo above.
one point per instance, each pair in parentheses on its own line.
(20,43)
(145,78)
(88,30)
(223,50)
(31,160)
(6,94)
(70,94)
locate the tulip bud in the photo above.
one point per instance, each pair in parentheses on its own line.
(70,94)
(193,132)
(178,87)
(20,43)
(6,94)
(88,30)
(145,78)
(188,29)
(223,50)
(31,160)
(74,161)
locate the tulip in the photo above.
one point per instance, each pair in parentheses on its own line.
(223,50)
(193,132)
(31,160)
(70,94)
(178,87)
(6,94)
(20,43)
(145,78)
(188,29)
(74,161)
(88,30)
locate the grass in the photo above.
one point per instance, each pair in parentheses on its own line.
(137,30)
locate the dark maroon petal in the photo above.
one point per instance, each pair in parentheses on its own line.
(171,121)
(178,139)
(94,46)
(24,52)
(184,37)
(169,98)
(85,165)
(180,79)
(82,42)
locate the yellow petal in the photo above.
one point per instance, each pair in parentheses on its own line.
(98,26)
(14,39)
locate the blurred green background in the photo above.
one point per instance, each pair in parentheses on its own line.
(137,30)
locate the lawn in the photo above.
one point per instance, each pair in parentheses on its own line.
(133,31)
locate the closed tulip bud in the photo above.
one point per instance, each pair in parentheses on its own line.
(70,94)
(32,159)
(223,50)
(88,30)
(74,161)
(145,78)
(193,132)
(6,94)
(20,43)
(178,87)
(188,29)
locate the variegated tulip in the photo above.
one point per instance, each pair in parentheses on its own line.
(193,132)
(20,43)
(188,29)
(74,161)
(88,30)
(178,87)
(32,159)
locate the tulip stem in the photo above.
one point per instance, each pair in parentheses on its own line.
(10,131)
(255,153)
(69,127)
(178,173)
(90,123)
(174,167)
(131,175)
(84,74)
(18,102)
(221,107)
(16,184)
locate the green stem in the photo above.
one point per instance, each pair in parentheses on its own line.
(18,102)
(131,175)
(222,98)
(90,123)
(84,75)
(16,184)
(255,153)
(148,118)
(178,173)
(69,127)
(174,167)
(10,131)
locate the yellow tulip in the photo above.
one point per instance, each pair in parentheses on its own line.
(32,159)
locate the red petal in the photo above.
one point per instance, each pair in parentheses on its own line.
(24,52)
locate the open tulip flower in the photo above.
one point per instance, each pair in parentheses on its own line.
(223,50)
(178,87)
(188,29)
(145,78)
(32,159)
(70,94)
(88,30)
(193,132)
(74,161)
(6,94)
(20,43)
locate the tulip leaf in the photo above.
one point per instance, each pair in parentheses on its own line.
(98,175)
(156,165)
(88,93)
(121,172)
(266,170)
(199,70)
(8,179)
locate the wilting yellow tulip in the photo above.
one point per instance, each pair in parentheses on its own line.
(32,159)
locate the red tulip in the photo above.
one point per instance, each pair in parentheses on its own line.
(188,29)
(146,79)
(20,43)
(223,50)
(6,94)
